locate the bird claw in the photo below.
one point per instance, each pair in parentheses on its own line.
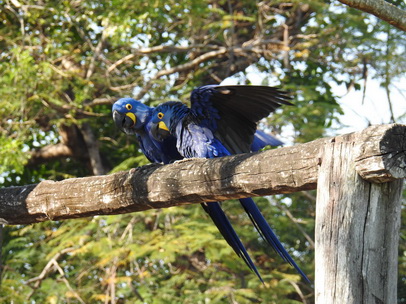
(186,160)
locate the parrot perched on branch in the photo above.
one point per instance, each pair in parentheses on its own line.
(134,118)
(221,121)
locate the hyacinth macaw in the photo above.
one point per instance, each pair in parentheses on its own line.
(134,118)
(222,121)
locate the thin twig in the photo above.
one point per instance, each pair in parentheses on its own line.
(96,54)
(65,109)
(387,77)
(365,76)
(180,68)
(65,280)
(298,290)
(128,229)
(296,222)
(35,282)
(120,61)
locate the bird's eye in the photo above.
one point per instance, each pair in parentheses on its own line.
(160,115)
(128,106)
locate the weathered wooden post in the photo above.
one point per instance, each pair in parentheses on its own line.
(358,216)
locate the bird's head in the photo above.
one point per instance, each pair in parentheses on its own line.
(165,118)
(130,115)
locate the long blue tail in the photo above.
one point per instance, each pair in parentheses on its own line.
(267,233)
(226,229)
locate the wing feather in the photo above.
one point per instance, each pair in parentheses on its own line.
(232,112)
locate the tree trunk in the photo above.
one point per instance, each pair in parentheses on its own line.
(93,150)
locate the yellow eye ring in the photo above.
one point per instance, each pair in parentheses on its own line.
(128,106)
(160,115)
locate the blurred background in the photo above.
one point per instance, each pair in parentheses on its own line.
(63,64)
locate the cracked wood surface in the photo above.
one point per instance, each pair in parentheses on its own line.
(378,156)
(358,222)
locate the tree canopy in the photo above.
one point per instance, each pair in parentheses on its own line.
(62,65)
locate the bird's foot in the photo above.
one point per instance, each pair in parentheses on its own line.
(186,160)
(132,170)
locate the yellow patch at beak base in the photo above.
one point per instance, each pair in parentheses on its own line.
(163,126)
(132,116)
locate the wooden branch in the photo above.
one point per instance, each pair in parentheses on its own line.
(381,9)
(182,49)
(380,154)
(100,101)
(380,157)
(66,109)
(50,267)
(249,47)
(182,67)
(36,282)
(72,145)
(49,152)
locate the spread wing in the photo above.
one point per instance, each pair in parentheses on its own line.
(232,112)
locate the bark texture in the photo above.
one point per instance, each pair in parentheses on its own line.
(380,156)
(357,225)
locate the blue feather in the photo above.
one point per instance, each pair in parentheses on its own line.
(261,140)
(165,151)
(267,233)
(222,121)
(229,234)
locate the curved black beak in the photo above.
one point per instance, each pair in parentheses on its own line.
(159,133)
(122,121)
(118,119)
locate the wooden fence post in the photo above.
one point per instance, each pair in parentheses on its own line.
(357,224)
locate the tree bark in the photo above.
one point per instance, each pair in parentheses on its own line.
(380,157)
(381,9)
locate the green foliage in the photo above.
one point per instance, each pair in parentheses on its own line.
(11,161)
(154,252)
(59,63)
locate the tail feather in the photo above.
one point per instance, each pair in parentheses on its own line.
(267,233)
(226,229)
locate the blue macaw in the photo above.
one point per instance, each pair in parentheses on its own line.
(222,121)
(134,118)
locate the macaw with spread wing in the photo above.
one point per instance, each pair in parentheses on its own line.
(222,121)
(134,118)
